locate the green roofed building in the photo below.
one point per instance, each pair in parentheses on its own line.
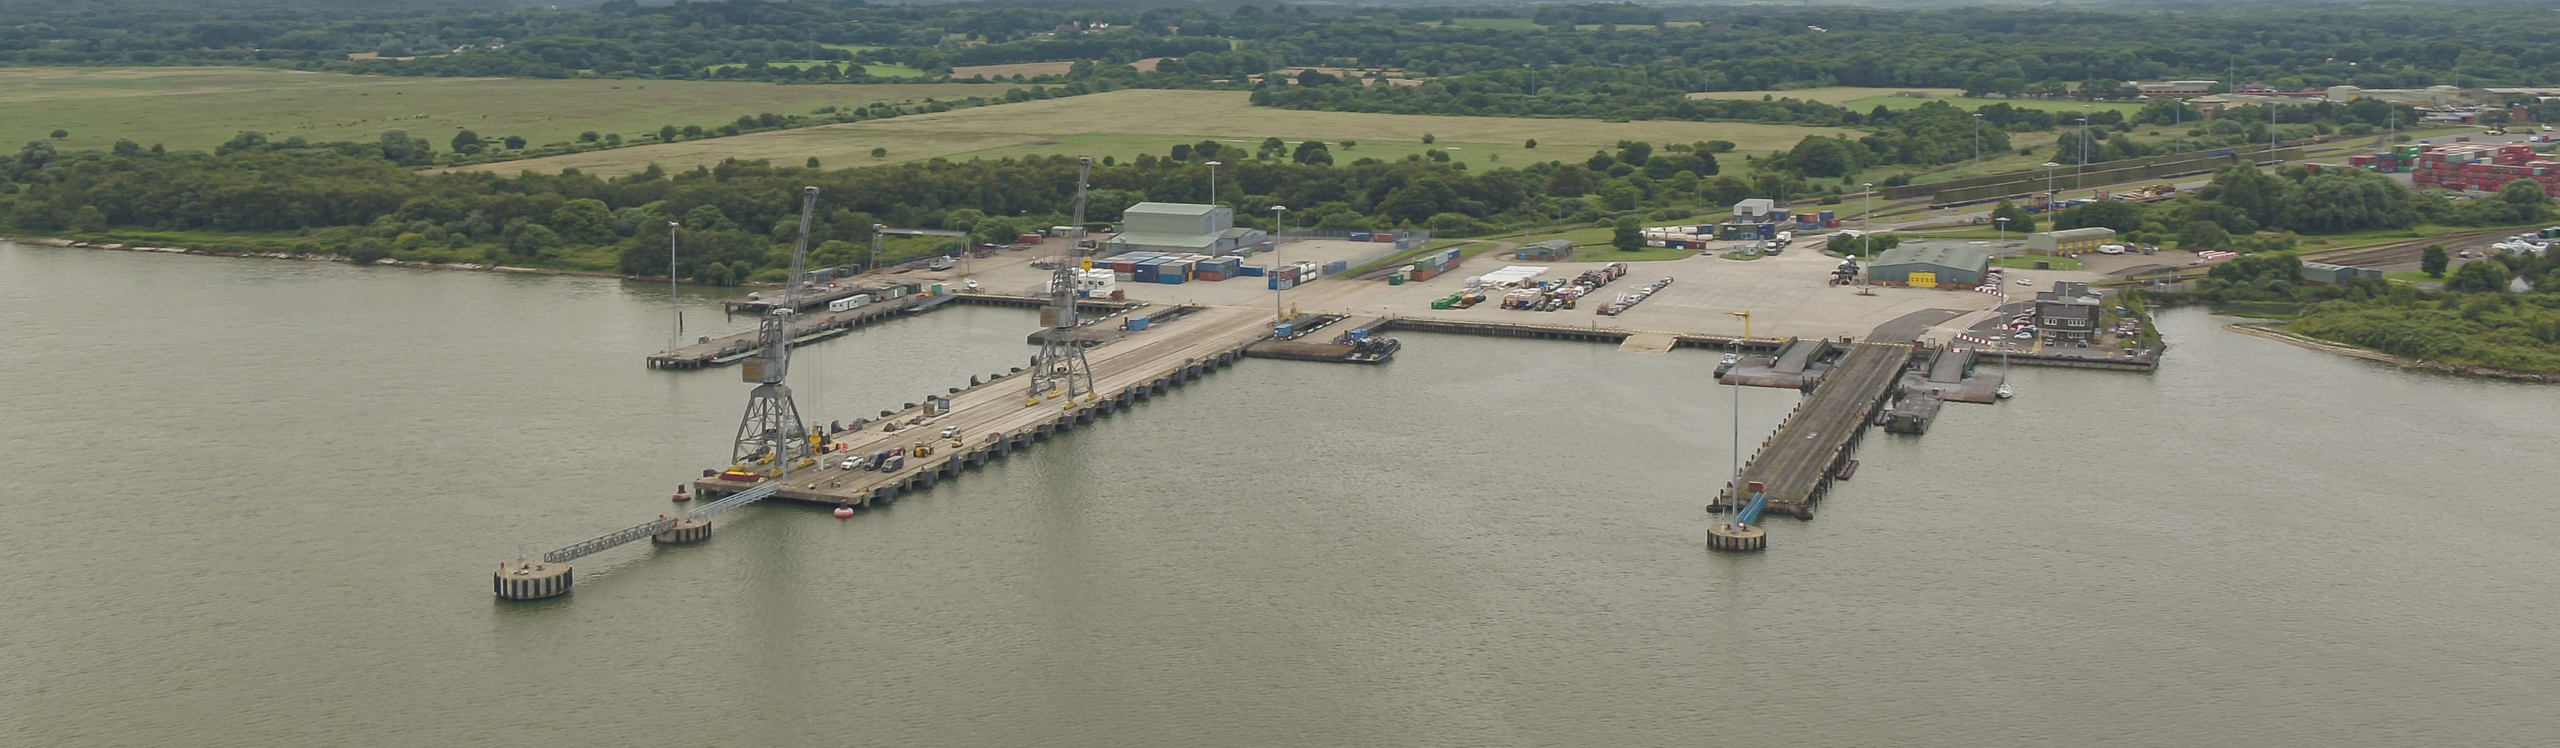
(1930,266)
(1181,227)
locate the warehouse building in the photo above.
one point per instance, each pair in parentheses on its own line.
(2336,275)
(1552,249)
(2068,242)
(1174,228)
(1930,266)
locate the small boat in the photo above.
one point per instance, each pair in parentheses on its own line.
(2003,392)
(844,511)
(1847,469)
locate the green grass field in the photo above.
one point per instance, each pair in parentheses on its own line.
(199,108)
(2412,277)
(1123,124)
(876,70)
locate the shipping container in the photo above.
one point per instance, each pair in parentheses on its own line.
(1211,276)
(1383,238)
(1137,323)
(1279,284)
(1251,271)
(1359,236)
(1337,267)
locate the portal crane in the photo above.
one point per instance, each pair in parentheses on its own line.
(1060,369)
(771,427)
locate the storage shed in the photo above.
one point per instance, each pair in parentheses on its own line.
(2336,275)
(2069,242)
(1930,266)
(1552,249)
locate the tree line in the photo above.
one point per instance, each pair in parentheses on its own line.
(737,217)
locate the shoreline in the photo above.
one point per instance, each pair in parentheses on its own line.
(47,241)
(2270,333)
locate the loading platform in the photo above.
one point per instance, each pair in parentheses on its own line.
(1798,464)
(736,347)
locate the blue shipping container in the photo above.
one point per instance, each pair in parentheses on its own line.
(1280,330)
(1828,215)
(1359,236)
(1170,280)
(1360,335)
(1252,271)
(1336,267)
(1768,231)
(1137,323)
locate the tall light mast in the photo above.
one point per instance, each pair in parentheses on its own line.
(772,423)
(1060,369)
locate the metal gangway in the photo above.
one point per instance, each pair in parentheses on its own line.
(599,543)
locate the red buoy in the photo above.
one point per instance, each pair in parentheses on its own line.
(681,496)
(844,511)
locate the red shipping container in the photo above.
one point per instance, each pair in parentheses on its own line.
(1209,276)
(1383,238)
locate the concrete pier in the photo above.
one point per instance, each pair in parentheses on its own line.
(685,531)
(532,581)
(993,418)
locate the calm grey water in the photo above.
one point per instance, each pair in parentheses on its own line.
(254,503)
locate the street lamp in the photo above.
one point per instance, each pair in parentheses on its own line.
(675,335)
(1276,313)
(1213,181)
(1977,139)
(1733,490)
(2080,176)
(2049,197)
(2003,246)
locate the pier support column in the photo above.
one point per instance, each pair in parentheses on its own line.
(532,581)
(686,531)
(1726,537)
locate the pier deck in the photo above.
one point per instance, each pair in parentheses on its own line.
(1798,464)
(1125,372)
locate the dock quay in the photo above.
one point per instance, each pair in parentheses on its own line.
(1953,375)
(729,349)
(1797,465)
(992,419)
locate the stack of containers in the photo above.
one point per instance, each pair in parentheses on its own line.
(1217,269)
(1432,265)
(1147,270)
(1284,278)
(1174,272)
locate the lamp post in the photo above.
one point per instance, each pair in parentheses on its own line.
(1977,139)
(2049,197)
(2080,176)
(2003,247)
(1733,493)
(1276,313)
(1213,181)
(675,335)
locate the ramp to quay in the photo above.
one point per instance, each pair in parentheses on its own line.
(1798,463)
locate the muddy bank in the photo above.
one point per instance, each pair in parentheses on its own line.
(2271,333)
(46,241)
